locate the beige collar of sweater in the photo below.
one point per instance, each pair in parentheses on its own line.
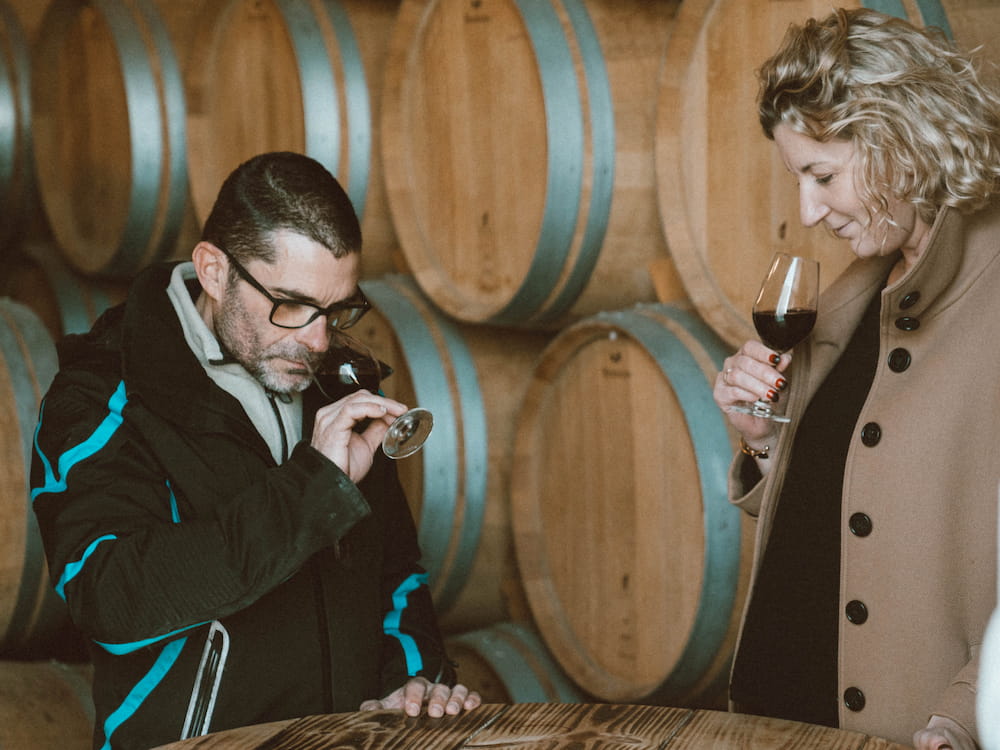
(274,416)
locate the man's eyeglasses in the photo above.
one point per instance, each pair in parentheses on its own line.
(288,313)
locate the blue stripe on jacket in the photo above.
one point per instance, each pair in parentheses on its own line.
(118,649)
(72,569)
(145,686)
(97,440)
(175,513)
(390,625)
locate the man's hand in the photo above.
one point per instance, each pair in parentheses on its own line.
(335,438)
(438,697)
(943,733)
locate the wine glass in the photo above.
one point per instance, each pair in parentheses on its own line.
(408,432)
(784,313)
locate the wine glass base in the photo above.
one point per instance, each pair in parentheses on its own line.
(407,433)
(761,410)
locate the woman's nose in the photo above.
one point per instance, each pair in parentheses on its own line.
(812,210)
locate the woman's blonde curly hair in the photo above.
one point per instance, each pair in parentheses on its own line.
(924,126)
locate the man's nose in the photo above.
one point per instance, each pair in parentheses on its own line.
(316,335)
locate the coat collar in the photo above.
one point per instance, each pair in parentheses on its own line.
(930,284)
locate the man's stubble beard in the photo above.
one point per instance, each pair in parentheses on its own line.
(239,337)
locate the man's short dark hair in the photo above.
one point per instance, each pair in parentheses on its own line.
(276,191)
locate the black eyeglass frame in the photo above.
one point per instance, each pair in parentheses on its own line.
(354,303)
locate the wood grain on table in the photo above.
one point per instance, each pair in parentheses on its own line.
(538,726)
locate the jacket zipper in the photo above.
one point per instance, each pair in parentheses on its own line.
(326,661)
(281,426)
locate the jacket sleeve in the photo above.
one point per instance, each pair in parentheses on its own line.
(958,702)
(138,552)
(746,485)
(412,643)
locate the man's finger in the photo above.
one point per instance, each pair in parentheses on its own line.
(413,696)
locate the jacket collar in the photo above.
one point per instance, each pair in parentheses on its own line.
(958,250)
(844,302)
(157,364)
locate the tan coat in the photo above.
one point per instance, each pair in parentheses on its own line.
(927,570)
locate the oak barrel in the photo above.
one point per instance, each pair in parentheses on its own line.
(517,147)
(30,612)
(297,75)
(66,301)
(471,380)
(633,561)
(46,705)
(16,171)
(508,663)
(726,201)
(109,134)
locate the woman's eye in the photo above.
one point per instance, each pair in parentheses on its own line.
(824,180)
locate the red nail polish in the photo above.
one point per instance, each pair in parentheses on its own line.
(781,384)
(772,396)
(775,359)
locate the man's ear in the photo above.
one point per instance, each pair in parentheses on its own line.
(212,268)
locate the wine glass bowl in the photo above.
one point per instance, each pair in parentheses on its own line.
(784,313)
(781,332)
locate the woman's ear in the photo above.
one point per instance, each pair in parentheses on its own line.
(212,268)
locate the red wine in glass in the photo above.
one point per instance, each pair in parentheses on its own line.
(784,313)
(783,331)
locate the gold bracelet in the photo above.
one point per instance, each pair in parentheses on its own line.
(754,452)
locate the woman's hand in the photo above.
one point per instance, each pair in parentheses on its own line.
(334,435)
(438,697)
(754,372)
(943,733)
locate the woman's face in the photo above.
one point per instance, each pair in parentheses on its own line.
(828,194)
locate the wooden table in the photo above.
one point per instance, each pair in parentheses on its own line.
(538,726)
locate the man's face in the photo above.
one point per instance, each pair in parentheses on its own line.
(282,359)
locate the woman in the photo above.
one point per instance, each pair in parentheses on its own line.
(875,566)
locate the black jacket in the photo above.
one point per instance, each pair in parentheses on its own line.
(218,588)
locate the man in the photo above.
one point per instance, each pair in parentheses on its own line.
(233,544)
